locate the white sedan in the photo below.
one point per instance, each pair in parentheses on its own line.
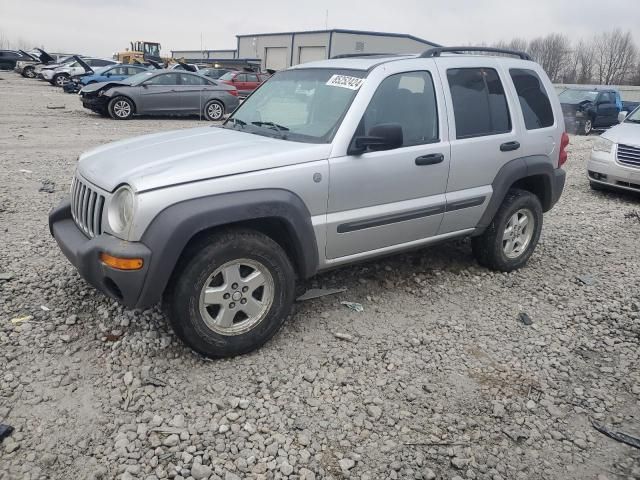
(615,158)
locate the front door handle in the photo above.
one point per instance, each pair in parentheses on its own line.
(432,159)
(509,146)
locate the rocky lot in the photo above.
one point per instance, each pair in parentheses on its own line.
(437,378)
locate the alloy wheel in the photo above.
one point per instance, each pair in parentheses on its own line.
(122,109)
(518,233)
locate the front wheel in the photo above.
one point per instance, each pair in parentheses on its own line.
(214,111)
(121,108)
(29,72)
(513,234)
(60,80)
(588,127)
(231,292)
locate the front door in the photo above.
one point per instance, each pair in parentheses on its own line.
(607,110)
(379,199)
(158,94)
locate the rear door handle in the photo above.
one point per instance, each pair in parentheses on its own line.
(509,146)
(431,159)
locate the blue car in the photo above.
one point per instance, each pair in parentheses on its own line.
(114,73)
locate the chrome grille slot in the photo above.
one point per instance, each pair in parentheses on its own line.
(87,206)
(628,155)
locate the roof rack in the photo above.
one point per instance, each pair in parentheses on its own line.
(357,55)
(436,51)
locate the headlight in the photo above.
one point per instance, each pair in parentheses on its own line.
(120,212)
(603,145)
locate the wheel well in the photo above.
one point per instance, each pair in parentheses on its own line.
(540,186)
(274,228)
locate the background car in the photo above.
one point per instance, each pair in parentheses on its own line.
(27,67)
(113,73)
(245,82)
(615,157)
(161,92)
(214,73)
(8,58)
(61,75)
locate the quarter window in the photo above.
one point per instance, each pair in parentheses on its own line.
(479,102)
(409,100)
(534,101)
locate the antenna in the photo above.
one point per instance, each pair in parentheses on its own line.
(326,20)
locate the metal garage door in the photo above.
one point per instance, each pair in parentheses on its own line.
(276,58)
(311,54)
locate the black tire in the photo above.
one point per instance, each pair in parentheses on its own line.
(214,110)
(587,128)
(121,108)
(29,72)
(60,80)
(182,298)
(489,248)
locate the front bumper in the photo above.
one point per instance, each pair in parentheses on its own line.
(603,169)
(93,102)
(84,252)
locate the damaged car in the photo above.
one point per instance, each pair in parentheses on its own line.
(62,75)
(103,74)
(27,67)
(161,92)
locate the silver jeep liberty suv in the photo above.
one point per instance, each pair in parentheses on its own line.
(326,164)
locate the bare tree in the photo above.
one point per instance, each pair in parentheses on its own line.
(551,52)
(615,55)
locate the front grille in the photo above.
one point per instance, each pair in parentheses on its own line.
(629,155)
(86,208)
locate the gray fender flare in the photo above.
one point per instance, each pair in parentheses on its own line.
(538,166)
(173,228)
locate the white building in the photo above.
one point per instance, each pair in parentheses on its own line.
(281,50)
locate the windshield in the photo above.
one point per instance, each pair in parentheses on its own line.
(634,117)
(577,96)
(138,78)
(304,105)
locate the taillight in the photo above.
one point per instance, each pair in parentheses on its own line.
(564,142)
(233,92)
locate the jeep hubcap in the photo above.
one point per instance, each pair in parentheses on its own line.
(236,297)
(518,233)
(122,109)
(214,111)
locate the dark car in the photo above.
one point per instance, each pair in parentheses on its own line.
(8,58)
(245,82)
(586,109)
(214,73)
(161,92)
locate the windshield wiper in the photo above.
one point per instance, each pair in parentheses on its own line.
(279,128)
(238,122)
(632,120)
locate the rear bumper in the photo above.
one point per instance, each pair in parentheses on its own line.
(558,180)
(84,252)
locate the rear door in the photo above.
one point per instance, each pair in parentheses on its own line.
(158,94)
(483,135)
(381,199)
(190,92)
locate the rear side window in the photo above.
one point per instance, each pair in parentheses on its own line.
(479,102)
(534,100)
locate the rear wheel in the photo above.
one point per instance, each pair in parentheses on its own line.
(513,234)
(231,293)
(121,108)
(214,110)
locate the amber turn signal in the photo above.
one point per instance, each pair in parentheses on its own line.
(121,263)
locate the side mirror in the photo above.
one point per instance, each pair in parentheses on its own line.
(622,116)
(385,136)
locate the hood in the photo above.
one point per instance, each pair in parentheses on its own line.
(45,57)
(169,158)
(626,132)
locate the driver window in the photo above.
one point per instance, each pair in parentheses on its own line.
(409,100)
(166,79)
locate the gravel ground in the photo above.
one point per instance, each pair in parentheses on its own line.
(437,378)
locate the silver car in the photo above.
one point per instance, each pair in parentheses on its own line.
(327,163)
(161,92)
(615,157)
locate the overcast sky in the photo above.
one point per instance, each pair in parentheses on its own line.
(101,27)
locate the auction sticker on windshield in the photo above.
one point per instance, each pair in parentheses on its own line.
(345,81)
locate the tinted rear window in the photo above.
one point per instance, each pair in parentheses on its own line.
(534,100)
(479,102)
